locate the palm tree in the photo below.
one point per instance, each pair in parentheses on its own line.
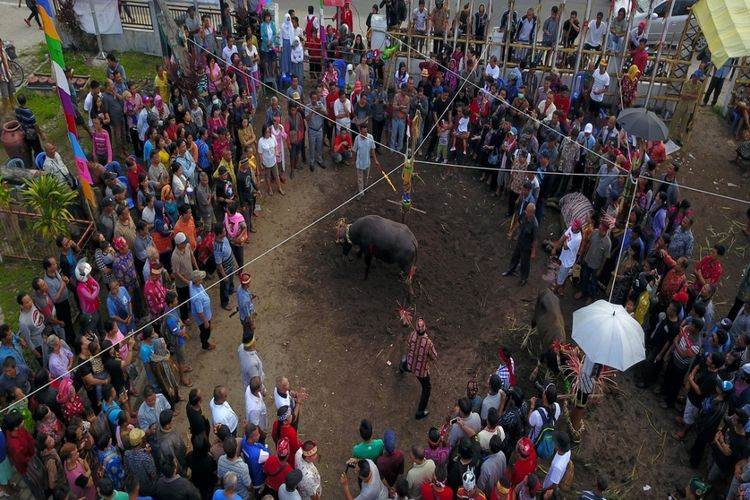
(50,198)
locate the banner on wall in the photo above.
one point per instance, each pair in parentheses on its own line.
(107,16)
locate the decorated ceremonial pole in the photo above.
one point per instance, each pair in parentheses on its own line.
(54,48)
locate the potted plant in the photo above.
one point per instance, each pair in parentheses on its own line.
(50,198)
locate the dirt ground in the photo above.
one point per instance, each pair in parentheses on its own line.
(326,329)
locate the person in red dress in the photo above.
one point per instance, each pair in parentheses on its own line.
(524,463)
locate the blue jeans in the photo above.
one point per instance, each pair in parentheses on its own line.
(398,127)
(226,288)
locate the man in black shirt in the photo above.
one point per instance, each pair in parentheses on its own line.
(525,249)
(439,105)
(198,422)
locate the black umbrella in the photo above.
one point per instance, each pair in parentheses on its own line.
(643,124)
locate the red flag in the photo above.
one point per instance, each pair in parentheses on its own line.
(333,3)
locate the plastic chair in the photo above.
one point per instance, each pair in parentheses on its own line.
(39,160)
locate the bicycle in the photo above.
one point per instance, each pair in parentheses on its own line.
(15,69)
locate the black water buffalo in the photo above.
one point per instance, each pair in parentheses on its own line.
(384,239)
(550,328)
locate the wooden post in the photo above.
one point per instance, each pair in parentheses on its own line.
(558,36)
(581,38)
(469,24)
(607,33)
(507,35)
(659,53)
(536,29)
(455,28)
(626,43)
(408,37)
(488,32)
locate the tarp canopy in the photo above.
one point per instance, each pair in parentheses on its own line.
(726,26)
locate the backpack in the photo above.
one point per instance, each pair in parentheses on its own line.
(544,442)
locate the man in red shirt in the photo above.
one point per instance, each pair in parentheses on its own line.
(708,270)
(333,95)
(437,489)
(420,351)
(345,14)
(342,146)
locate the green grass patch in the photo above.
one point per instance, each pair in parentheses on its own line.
(15,278)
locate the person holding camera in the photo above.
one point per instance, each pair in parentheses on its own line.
(371,487)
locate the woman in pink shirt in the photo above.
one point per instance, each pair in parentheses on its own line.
(87,290)
(102,144)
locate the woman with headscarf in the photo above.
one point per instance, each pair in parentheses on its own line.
(287,35)
(629,86)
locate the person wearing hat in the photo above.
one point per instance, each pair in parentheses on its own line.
(682,119)
(183,264)
(708,419)
(200,307)
(305,459)
(277,468)
(391,462)
(87,291)
(139,461)
(468,489)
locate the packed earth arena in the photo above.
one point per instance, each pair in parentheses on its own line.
(540,316)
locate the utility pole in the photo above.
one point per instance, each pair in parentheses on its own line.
(100,54)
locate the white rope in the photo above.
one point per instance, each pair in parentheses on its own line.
(240,268)
(299,103)
(495,169)
(492,96)
(697,190)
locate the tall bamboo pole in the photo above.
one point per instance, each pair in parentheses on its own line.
(659,52)
(409,28)
(558,36)
(507,35)
(469,24)
(581,38)
(608,32)
(455,27)
(626,43)
(488,31)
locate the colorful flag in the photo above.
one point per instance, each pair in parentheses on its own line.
(54,47)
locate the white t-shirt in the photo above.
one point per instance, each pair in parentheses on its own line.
(88,102)
(343,107)
(601,81)
(485,436)
(227,53)
(267,150)
(223,414)
(568,255)
(251,51)
(536,421)
(492,72)
(279,400)
(546,111)
(255,409)
(595,33)
(557,469)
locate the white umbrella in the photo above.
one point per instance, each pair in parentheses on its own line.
(609,335)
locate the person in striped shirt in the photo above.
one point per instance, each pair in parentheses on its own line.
(419,353)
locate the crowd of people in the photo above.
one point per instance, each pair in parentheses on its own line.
(98,368)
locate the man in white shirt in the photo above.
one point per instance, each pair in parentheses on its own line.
(599,87)
(421,471)
(255,407)
(229,50)
(569,243)
(559,462)
(304,460)
(88,102)
(595,33)
(492,69)
(342,110)
(142,123)
(221,411)
(419,22)
(371,487)
(54,165)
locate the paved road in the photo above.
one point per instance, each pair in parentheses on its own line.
(13,27)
